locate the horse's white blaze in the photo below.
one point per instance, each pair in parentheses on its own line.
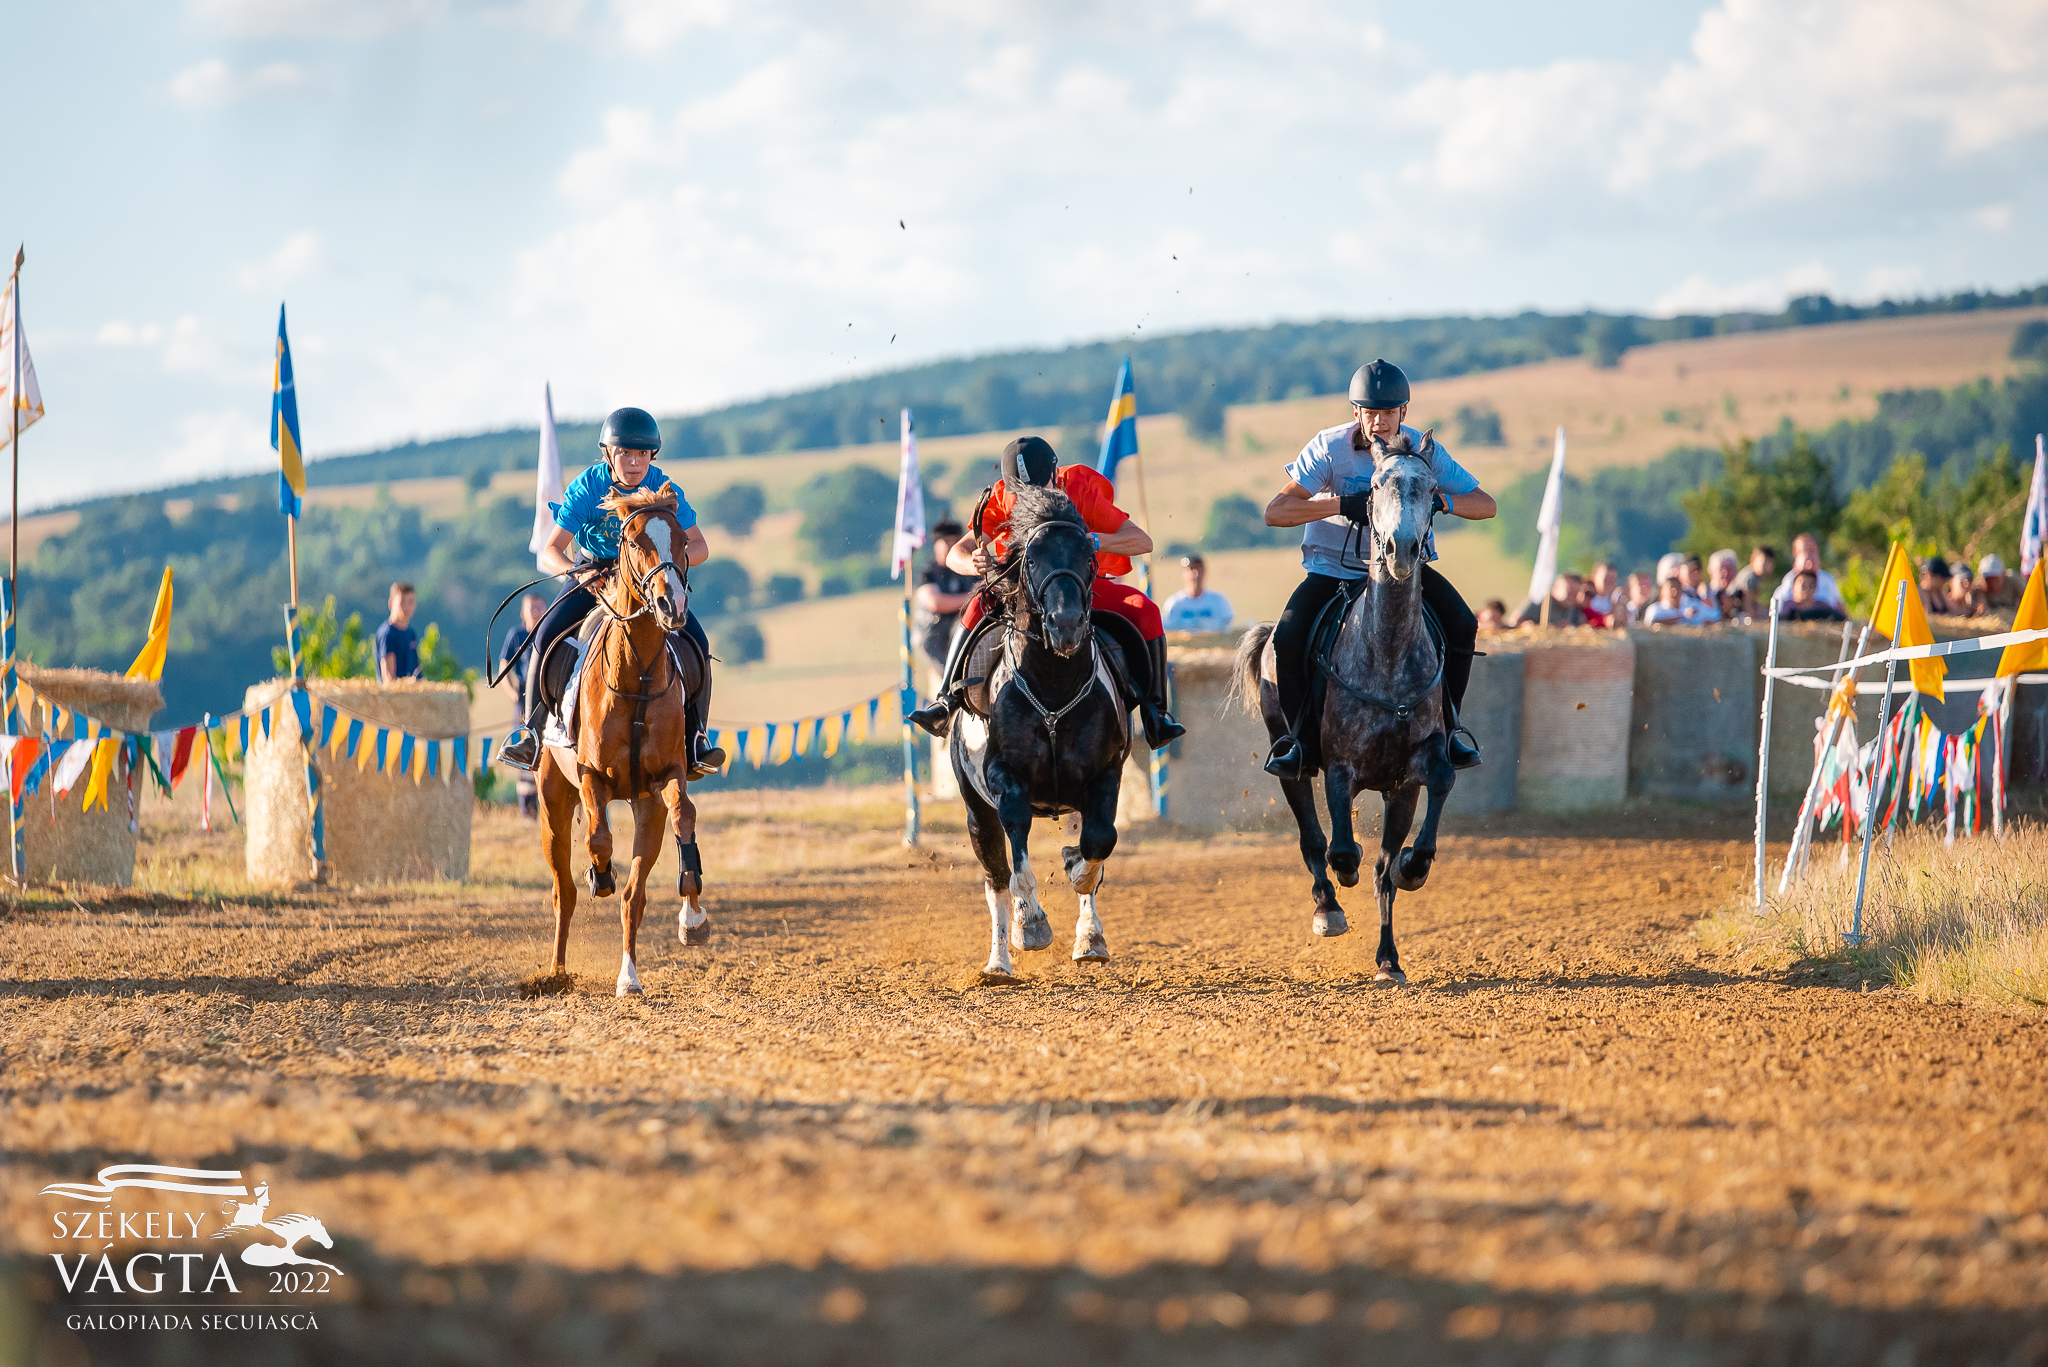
(998,935)
(629,979)
(658,531)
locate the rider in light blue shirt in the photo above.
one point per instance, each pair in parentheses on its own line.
(630,439)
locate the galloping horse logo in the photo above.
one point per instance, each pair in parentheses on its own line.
(290,1228)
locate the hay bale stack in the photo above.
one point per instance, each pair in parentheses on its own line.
(1213,767)
(1693,736)
(1575,720)
(64,844)
(1493,714)
(380,827)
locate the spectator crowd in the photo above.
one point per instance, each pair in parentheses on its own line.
(1687,592)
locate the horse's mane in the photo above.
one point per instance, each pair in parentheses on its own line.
(636,500)
(1037,506)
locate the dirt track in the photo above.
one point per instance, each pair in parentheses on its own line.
(1569,1139)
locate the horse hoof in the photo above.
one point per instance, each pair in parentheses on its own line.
(1347,877)
(1331,924)
(995,977)
(1031,933)
(1412,870)
(1093,950)
(599,881)
(1390,975)
(699,934)
(629,990)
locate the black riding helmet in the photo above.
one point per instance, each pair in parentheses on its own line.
(1029,460)
(1379,385)
(633,428)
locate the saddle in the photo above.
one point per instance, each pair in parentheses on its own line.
(559,673)
(1322,643)
(1121,646)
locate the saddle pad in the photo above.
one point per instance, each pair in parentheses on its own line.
(559,730)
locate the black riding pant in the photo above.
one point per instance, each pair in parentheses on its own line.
(1291,633)
(565,617)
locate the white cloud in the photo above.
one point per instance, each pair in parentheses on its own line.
(1992,218)
(183,347)
(297,256)
(652,25)
(1697,294)
(316,18)
(212,84)
(225,441)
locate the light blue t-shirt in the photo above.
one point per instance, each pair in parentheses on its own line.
(596,530)
(1329,464)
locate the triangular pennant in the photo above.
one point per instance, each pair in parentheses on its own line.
(458,750)
(328,717)
(835,729)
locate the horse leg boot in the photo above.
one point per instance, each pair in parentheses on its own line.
(1438,776)
(596,803)
(1398,817)
(1161,730)
(693,924)
(1345,854)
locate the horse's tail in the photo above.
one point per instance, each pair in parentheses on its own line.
(1245,670)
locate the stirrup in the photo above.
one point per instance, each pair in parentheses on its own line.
(705,758)
(1161,730)
(521,749)
(1284,760)
(936,716)
(1462,755)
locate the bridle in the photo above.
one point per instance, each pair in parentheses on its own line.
(1378,551)
(639,585)
(1033,593)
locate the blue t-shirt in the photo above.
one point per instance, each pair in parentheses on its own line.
(596,530)
(1329,464)
(393,639)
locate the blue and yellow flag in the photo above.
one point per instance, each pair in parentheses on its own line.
(1120,432)
(284,428)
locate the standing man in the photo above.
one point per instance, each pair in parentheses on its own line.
(942,593)
(398,650)
(516,675)
(1194,608)
(1328,493)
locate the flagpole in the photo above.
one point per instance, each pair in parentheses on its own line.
(908,705)
(16,828)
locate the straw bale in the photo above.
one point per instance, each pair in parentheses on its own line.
(63,844)
(1695,714)
(1575,719)
(1209,771)
(1493,714)
(380,827)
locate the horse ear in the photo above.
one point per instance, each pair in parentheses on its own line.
(1428,441)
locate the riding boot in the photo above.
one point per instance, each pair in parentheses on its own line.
(705,758)
(936,716)
(1161,730)
(1463,754)
(522,749)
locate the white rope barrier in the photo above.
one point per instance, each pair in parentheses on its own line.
(1939,649)
(1872,690)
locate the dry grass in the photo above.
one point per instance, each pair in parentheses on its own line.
(1967,923)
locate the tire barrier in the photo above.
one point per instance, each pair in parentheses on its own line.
(380,827)
(64,844)
(1692,734)
(1575,721)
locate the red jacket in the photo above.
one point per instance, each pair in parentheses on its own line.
(1091,493)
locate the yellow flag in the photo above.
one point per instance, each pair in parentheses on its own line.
(2032,616)
(150,663)
(1914,631)
(835,727)
(102,768)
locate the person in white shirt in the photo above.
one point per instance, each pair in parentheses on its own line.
(1194,608)
(1806,556)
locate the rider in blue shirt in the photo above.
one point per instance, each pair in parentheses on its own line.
(1328,494)
(630,440)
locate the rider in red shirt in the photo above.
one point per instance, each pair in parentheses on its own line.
(1031,460)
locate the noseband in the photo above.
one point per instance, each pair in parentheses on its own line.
(641,582)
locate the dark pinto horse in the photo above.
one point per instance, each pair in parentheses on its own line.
(633,735)
(1379,702)
(1055,736)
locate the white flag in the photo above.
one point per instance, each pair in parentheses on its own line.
(1548,523)
(909,505)
(18,389)
(547,482)
(2034,526)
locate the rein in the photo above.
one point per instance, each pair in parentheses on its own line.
(1034,596)
(637,584)
(1376,555)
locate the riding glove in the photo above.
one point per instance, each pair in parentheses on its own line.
(1357,507)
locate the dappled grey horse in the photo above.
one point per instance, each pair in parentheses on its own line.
(1378,701)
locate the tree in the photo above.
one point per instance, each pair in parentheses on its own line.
(439,665)
(1235,522)
(1756,502)
(1608,337)
(736,507)
(1479,426)
(329,649)
(783,588)
(847,512)
(2030,340)
(720,586)
(741,642)
(1941,515)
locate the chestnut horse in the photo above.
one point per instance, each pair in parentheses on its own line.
(632,741)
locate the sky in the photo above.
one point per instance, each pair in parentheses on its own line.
(680,203)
